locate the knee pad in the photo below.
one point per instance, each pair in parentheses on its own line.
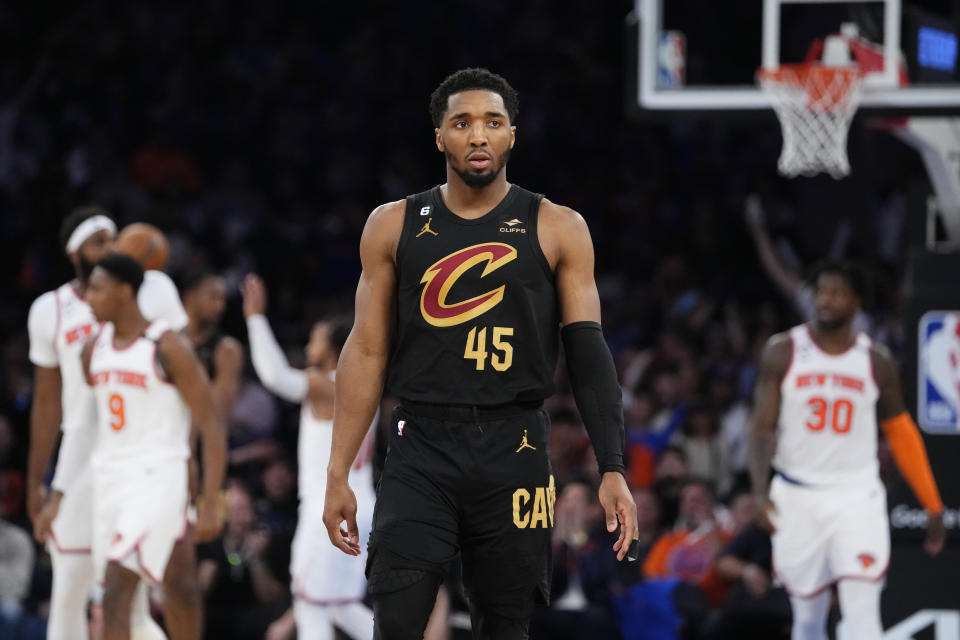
(488,625)
(403,603)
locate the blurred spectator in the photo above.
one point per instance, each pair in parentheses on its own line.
(671,473)
(584,570)
(754,608)
(648,520)
(689,552)
(733,414)
(253,426)
(243,594)
(569,445)
(666,390)
(277,504)
(16,569)
(704,452)
(643,446)
(12,484)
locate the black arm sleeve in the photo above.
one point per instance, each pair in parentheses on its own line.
(593,377)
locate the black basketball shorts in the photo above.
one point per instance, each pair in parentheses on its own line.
(464,483)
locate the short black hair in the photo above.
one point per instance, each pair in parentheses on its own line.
(854,274)
(123,268)
(471,79)
(193,278)
(340,328)
(75,218)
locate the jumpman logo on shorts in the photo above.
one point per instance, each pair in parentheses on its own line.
(426,229)
(524,444)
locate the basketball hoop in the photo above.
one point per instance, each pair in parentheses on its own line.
(815,104)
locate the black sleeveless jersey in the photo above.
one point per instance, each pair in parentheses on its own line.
(206,350)
(477,313)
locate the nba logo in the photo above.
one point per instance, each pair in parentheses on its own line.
(671,60)
(938,373)
(400,425)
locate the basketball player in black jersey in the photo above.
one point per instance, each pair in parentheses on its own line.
(458,310)
(204,296)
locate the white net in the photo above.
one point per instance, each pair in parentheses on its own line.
(815,105)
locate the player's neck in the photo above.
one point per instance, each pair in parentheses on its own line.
(473,202)
(197,330)
(79,283)
(833,339)
(129,325)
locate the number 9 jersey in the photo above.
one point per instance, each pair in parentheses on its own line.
(827,427)
(141,417)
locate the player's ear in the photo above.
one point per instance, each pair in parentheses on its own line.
(513,135)
(439,139)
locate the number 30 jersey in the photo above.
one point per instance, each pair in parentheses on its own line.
(827,427)
(477,317)
(141,417)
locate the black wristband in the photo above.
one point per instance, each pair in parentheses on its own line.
(593,377)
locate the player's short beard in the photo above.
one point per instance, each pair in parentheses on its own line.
(832,324)
(85,268)
(479,180)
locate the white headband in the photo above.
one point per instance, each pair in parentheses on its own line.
(87,228)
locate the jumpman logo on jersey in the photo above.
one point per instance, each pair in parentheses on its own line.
(426,229)
(524,444)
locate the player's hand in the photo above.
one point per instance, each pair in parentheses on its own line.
(283,628)
(209,520)
(44,520)
(618,505)
(340,507)
(755,580)
(256,543)
(936,534)
(765,511)
(254,296)
(36,500)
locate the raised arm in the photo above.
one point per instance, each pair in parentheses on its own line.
(786,280)
(269,362)
(185,371)
(906,444)
(593,375)
(763,422)
(228,364)
(362,367)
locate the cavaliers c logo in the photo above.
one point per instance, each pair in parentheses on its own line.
(442,274)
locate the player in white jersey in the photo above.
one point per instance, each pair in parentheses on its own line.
(328,586)
(820,391)
(148,387)
(58,324)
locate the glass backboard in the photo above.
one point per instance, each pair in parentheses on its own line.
(701,56)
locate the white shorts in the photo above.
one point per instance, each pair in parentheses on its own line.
(825,534)
(320,573)
(72,529)
(140,513)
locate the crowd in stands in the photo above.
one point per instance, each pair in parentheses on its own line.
(257,136)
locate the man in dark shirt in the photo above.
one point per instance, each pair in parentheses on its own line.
(463,292)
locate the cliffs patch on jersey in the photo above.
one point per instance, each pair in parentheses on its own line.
(443,274)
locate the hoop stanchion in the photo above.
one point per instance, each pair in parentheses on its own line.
(815,104)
